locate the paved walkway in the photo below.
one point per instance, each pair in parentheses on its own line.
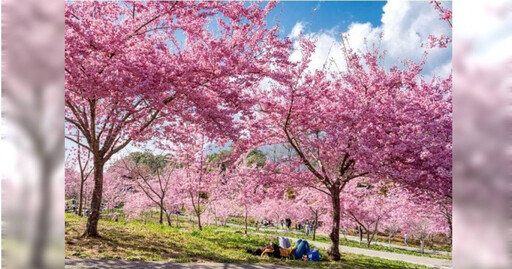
(117,264)
(430,262)
(353,238)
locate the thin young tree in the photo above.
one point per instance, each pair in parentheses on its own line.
(155,183)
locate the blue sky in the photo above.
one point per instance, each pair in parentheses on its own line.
(327,15)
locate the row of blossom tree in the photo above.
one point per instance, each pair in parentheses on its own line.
(214,187)
(189,74)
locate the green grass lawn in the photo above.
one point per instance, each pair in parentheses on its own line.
(441,243)
(351,243)
(152,242)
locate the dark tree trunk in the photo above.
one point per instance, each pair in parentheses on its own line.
(92,221)
(168,215)
(315,225)
(80,200)
(450,236)
(161,221)
(334,251)
(199,221)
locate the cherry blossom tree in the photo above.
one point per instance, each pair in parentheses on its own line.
(137,70)
(366,206)
(73,186)
(115,190)
(401,205)
(425,223)
(70,182)
(445,14)
(81,158)
(137,204)
(196,177)
(223,208)
(155,184)
(245,176)
(314,205)
(369,121)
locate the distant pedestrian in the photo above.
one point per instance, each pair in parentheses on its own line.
(116,217)
(344,231)
(288,224)
(360,231)
(282,224)
(406,238)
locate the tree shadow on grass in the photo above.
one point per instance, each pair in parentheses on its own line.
(106,264)
(118,264)
(208,246)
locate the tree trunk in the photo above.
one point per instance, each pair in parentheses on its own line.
(161,221)
(245,220)
(199,221)
(92,221)
(370,239)
(315,225)
(422,245)
(168,215)
(334,251)
(80,201)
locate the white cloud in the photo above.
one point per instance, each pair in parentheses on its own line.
(297,30)
(328,52)
(405,27)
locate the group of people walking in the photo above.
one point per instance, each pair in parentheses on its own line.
(307,226)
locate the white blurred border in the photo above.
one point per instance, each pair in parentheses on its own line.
(482,68)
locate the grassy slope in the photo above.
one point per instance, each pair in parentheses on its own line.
(152,242)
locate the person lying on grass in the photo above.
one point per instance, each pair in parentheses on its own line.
(282,253)
(269,251)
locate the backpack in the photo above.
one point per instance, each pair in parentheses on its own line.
(314,255)
(284,242)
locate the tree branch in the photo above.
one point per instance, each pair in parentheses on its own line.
(78,143)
